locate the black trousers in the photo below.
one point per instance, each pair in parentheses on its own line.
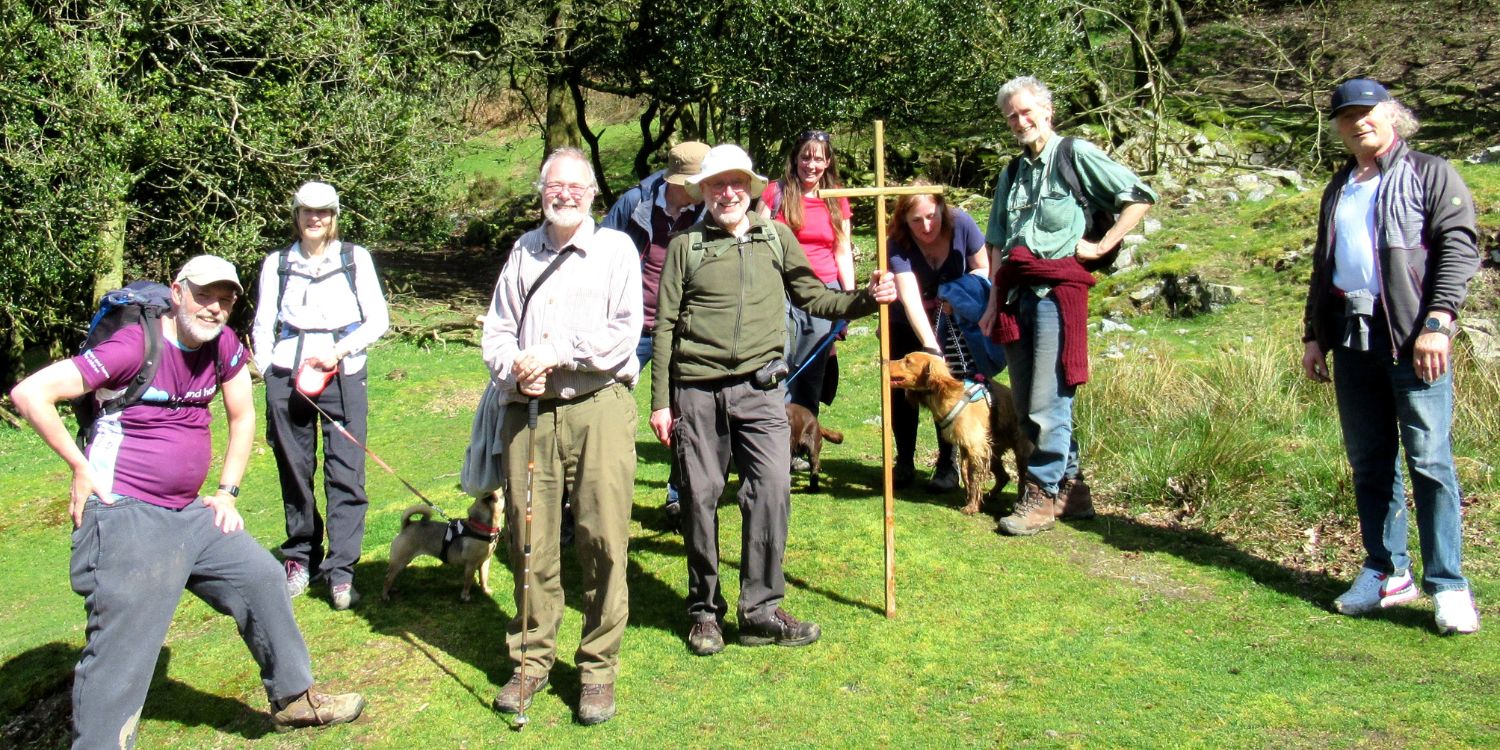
(292,428)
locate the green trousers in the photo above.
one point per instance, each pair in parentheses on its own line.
(586,446)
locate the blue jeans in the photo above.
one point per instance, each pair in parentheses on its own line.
(1044,401)
(1380,404)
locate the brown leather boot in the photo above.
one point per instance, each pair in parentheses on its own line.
(1036,511)
(317,709)
(1075,501)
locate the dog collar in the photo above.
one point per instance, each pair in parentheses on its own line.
(972,392)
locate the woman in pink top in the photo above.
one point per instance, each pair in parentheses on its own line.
(822,228)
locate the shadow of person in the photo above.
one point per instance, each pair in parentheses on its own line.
(38,706)
(1206,548)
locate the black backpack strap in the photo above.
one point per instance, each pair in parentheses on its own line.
(346,257)
(1065,162)
(150,361)
(535,285)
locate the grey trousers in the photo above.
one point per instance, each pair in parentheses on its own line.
(292,427)
(131,561)
(715,423)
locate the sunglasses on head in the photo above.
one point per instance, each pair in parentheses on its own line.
(813,135)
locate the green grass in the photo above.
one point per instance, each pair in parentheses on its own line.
(1192,613)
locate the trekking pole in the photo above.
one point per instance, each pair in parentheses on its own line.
(531,412)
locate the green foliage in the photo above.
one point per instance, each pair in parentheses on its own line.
(188,124)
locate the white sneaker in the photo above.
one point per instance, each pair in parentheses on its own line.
(1374,590)
(1455,612)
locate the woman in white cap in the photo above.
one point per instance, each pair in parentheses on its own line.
(319,306)
(822,228)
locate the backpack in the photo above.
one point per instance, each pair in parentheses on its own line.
(140,303)
(346,267)
(697,249)
(1096,221)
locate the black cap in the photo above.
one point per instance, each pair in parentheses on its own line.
(1359,92)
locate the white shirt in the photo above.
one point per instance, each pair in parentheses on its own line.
(310,306)
(1354,237)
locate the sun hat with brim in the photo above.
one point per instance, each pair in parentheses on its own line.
(1358,92)
(316,196)
(204,270)
(725,157)
(685,160)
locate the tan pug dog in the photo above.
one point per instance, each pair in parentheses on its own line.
(470,542)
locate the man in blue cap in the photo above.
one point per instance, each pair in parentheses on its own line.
(1396,249)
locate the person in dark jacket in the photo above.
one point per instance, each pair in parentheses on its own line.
(650,213)
(717,392)
(1396,249)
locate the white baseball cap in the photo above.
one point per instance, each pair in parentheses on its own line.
(204,270)
(316,195)
(725,157)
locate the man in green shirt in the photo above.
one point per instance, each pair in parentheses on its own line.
(1039,304)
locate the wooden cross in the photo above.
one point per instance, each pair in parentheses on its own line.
(879,193)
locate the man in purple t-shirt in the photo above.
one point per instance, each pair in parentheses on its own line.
(142,533)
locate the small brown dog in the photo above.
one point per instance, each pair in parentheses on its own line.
(982,430)
(808,435)
(470,542)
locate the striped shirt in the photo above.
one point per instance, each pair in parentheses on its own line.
(588,311)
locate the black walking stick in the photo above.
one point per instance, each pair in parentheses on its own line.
(531,412)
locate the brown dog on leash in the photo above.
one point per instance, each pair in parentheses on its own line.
(979,420)
(808,435)
(470,542)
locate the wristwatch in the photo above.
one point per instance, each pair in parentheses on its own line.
(232,489)
(1434,325)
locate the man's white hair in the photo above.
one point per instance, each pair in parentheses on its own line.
(1024,83)
(566,152)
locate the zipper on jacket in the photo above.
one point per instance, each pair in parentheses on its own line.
(739,313)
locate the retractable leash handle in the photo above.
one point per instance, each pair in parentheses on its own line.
(532,407)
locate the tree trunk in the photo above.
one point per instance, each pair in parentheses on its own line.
(111,273)
(562,111)
(1140,51)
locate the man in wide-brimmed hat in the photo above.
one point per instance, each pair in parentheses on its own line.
(717,359)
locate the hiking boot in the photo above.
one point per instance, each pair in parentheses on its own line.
(315,709)
(903,474)
(1035,512)
(296,579)
(944,478)
(510,700)
(782,629)
(344,596)
(673,513)
(1455,612)
(706,638)
(1075,501)
(597,704)
(1374,590)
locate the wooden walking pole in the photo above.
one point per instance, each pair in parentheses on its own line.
(879,192)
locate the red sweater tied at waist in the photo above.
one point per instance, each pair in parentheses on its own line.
(1070,283)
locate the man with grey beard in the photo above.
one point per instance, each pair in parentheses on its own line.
(142,533)
(561,332)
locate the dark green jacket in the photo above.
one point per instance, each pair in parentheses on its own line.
(727,317)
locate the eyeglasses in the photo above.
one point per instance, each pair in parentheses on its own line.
(813,135)
(562,188)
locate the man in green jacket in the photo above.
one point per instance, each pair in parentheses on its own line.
(717,393)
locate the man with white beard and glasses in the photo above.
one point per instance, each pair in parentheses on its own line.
(561,331)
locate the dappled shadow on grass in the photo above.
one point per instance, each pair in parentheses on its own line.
(426,613)
(44,718)
(1204,548)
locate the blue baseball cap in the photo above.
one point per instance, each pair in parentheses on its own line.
(1359,92)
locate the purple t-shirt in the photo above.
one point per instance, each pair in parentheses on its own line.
(968,242)
(154,453)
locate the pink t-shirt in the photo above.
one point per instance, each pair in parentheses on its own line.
(816,235)
(159,454)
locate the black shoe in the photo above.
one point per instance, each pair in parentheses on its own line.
(782,629)
(944,479)
(706,638)
(903,474)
